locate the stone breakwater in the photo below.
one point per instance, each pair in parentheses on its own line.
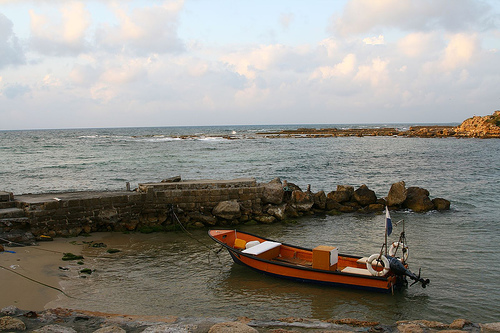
(197,204)
(486,127)
(70,321)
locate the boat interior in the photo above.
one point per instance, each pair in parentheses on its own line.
(322,257)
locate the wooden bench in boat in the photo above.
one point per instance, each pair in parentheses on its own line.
(354,270)
(265,250)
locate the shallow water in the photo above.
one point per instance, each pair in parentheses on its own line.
(175,274)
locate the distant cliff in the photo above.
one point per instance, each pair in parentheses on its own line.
(480,127)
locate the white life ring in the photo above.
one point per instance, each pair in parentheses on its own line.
(394,247)
(372,270)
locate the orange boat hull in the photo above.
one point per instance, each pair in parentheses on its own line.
(296,263)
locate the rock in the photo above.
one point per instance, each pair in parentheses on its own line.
(174,179)
(228,210)
(277,211)
(332,204)
(376,207)
(207,220)
(232,327)
(418,200)
(111,329)
(273,192)
(490,327)
(55,329)
(481,127)
(301,201)
(410,328)
(8,323)
(267,219)
(364,196)
(10,310)
(397,194)
(441,204)
(1,248)
(167,328)
(342,194)
(458,324)
(319,200)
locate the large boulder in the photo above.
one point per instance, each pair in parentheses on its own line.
(364,196)
(302,201)
(397,194)
(319,200)
(228,210)
(441,204)
(277,211)
(273,192)
(342,194)
(8,323)
(418,200)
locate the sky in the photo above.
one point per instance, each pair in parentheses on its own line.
(88,64)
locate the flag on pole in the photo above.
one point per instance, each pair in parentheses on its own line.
(388,222)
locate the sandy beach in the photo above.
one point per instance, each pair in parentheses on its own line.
(40,263)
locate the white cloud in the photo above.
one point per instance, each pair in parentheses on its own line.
(419,44)
(343,68)
(49,36)
(362,16)
(374,40)
(143,30)
(460,51)
(11,52)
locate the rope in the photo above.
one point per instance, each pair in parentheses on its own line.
(23,245)
(192,237)
(36,281)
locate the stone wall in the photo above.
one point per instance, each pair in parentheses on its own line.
(200,203)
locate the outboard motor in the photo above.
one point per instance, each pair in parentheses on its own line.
(399,269)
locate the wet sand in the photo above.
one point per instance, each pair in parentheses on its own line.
(40,263)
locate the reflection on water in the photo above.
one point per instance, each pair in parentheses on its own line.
(171,273)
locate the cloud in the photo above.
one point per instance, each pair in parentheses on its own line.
(419,44)
(11,52)
(363,16)
(62,36)
(346,67)
(143,30)
(15,90)
(374,40)
(460,51)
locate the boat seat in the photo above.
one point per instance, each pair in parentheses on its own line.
(354,270)
(261,248)
(362,260)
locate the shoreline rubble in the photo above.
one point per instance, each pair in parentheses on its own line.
(67,320)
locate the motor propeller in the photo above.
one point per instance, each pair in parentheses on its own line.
(399,269)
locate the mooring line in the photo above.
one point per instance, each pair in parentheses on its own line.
(36,281)
(192,237)
(31,246)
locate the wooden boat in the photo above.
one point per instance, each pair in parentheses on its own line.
(323,264)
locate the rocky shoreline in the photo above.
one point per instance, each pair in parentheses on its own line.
(486,127)
(69,321)
(194,204)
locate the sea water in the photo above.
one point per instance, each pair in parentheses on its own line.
(180,274)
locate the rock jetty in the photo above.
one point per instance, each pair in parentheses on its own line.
(486,127)
(173,203)
(70,321)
